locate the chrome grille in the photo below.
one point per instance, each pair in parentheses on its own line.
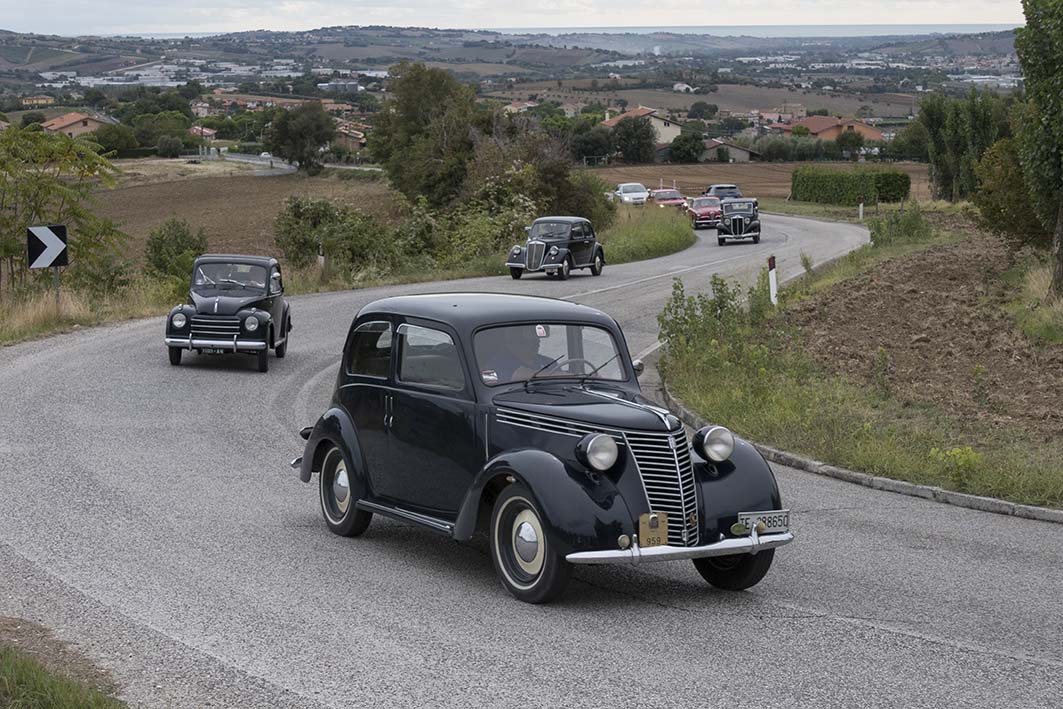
(215,328)
(536,251)
(738,225)
(662,459)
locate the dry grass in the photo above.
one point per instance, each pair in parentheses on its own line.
(1039,318)
(147,171)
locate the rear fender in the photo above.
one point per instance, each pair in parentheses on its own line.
(579,513)
(335,428)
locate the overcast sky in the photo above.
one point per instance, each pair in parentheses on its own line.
(72,17)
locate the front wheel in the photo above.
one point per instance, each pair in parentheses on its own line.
(263,360)
(598,265)
(720,242)
(565,270)
(337,503)
(175,355)
(737,572)
(516,273)
(522,556)
(756,238)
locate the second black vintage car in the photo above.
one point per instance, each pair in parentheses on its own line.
(739,219)
(556,246)
(235,304)
(522,417)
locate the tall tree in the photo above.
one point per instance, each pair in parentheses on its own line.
(636,140)
(299,135)
(1040,48)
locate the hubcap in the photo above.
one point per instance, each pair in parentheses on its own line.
(341,489)
(527,549)
(526,542)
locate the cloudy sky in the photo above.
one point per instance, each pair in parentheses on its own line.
(71,17)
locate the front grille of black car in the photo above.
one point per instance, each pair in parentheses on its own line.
(738,225)
(215,328)
(536,252)
(662,459)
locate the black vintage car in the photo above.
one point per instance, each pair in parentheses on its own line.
(235,305)
(556,246)
(522,417)
(740,219)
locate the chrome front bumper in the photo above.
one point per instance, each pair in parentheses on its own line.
(550,267)
(233,345)
(725,547)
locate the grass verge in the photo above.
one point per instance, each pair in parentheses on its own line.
(26,684)
(644,233)
(830,212)
(1040,320)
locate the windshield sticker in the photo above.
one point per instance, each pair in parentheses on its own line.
(489,376)
(540,330)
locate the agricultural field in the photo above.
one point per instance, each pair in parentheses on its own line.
(755,179)
(236,212)
(145,171)
(479,68)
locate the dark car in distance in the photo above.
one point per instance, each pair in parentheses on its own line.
(557,246)
(723,191)
(522,417)
(740,221)
(236,305)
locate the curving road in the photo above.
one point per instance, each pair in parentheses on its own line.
(147,513)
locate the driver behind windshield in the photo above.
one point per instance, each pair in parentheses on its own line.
(512,353)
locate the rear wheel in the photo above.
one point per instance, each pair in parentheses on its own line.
(516,273)
(737,572)
(565,270)
(263,360)
(281,349)
(598,265)
(522,556)
(337,504)
(175,355)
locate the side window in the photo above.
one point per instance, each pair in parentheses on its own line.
(370,353)
(428,358)
(588,231)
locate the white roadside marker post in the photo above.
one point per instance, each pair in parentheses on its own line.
(773,281)
(861,209)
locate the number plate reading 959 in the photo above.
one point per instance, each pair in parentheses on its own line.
(775,521)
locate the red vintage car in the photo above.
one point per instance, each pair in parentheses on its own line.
(704,212)
(668,198)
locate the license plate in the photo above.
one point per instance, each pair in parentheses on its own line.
(214,350)
(653,529)
(775,521)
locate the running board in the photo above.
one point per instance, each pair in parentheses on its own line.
(432,523)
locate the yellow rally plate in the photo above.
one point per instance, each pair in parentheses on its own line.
(653,529)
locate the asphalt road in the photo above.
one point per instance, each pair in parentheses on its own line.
(147,512)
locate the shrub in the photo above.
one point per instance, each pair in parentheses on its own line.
(892,185)
(169,146)
(901,226)
(172,247)
(347,238)
(847,187)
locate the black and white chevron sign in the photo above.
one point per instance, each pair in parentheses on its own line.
(46,246)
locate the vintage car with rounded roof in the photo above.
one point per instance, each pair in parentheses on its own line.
(557,246)
(522,417)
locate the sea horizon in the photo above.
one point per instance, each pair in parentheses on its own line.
(773,31)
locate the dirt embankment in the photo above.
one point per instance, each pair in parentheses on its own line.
(938,317)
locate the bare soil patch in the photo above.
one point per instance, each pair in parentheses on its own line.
(236,212)
(38,642)
(756,179)
(939,317)
(145,171)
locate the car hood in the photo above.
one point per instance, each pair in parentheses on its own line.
(223,304)
(705,210)
(605,407)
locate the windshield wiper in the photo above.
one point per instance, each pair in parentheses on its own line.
(543,368)
(585,377)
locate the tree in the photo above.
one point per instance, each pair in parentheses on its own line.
(850,141)
(169,146)
(299,135)
(636,140)
(818,112)
(621,103)
(911,143)
(1040,135)
(115,137)
(172,247)
(33,117)
(696,127)
(95,98)
(150,127)
(1005,207)
(731,125)
(702,109)
(596,142)
(687,147)
(801,131)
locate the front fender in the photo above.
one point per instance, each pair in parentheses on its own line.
(185,308)
(335,428)
(578,513)
(519,258)
(742,483)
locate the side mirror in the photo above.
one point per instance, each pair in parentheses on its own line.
(639,366)
(527,230)
(275,283)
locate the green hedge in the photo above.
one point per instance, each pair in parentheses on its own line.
(136,153)
(848,187)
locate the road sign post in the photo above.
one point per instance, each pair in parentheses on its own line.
(46,248)
(773,281)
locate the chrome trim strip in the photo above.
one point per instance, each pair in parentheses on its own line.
(234,345)
(406,516)
(725,547)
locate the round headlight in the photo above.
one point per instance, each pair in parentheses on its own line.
(553,251)
(516,250)
(716,443)
(597,450)
(179,320)
(251,323)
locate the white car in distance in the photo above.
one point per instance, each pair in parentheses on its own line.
(631,193)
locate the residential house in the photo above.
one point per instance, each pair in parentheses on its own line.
(665,129)
(36,101)
(202,109)
(829,127)
(74,124)
(349,136)
(203,132)
(735,153)
(571,110)
(519,106)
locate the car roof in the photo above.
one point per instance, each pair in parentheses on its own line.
(725,185)
(236,258)
(468,311)
(563,220)
(737,200)
(632,183)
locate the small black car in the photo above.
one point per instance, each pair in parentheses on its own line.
(557,245)
(235,304)
(740,219)
(522,417)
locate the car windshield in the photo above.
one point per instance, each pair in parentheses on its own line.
(705,202)
(628,189)
(667,194)
(724,189)
(516,353)
(739,207)
(228,276)
(549,230)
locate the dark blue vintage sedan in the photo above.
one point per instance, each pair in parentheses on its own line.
(522,417)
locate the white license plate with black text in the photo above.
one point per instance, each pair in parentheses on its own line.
(775,521)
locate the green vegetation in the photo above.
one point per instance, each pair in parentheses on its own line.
(645,233)
(687,147)
(26,683)
(1038,317)
(849,187)
(635,140)
(300,134)
(777,394)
